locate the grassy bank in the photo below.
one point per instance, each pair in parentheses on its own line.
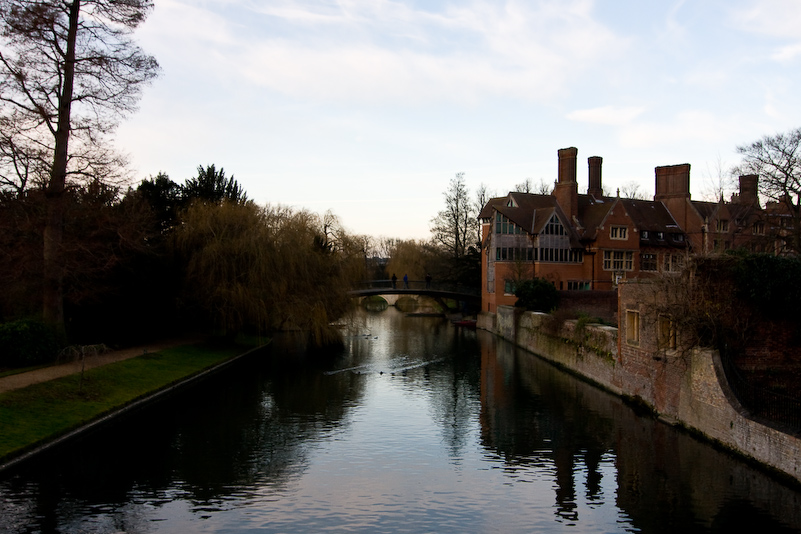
(41,412)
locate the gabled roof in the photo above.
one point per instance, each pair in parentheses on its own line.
(706,210)
(531,212)
(654,218)
(487,212)
(745,215)
(650,215)
(592,213)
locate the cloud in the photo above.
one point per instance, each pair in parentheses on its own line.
(371,74)
(388,52)
(609,115)
(177,21)
(775,18)
(686,126)
(787,53)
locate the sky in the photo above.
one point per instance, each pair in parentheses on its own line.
(369,108)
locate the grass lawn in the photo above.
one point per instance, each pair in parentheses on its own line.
(44,411)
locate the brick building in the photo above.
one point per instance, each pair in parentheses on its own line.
(592,241)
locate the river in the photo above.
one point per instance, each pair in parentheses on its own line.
(419,426)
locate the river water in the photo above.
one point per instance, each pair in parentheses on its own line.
(418,426)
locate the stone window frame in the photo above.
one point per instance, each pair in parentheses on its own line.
(672,263)
(633,328)
(618,260)
(619,233)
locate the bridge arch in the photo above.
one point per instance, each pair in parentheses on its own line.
(439,292)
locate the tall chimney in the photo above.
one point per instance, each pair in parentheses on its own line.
(566,189)
(672,181)
(673,190)
(595,188)
(748,190)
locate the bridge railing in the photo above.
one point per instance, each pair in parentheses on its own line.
(420,285)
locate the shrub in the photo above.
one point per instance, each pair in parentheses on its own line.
(537,295)
(25,343)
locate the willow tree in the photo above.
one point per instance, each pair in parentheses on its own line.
(69,71)
(272,268)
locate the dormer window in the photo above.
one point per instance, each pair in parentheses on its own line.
(619,232)
(504,226)
(511,203)
(644,234)
(660,236)
(723,225)
(678,238)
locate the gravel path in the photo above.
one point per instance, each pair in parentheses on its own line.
(21,380)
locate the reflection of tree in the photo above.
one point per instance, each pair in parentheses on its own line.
(258,436)
(444,366)
(247,434)
(243,431)
(453,394)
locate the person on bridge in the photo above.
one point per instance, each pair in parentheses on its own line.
(394,280)
(428,281)
(405,281)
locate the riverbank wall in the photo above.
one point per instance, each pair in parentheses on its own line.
(684,388)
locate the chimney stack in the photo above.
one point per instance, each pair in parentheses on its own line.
(672,181)
(566,189)
(673,190)
(595,188)
(748,190)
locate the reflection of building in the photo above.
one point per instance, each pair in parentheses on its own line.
(592,241)
(532,417)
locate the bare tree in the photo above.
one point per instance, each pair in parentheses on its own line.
(542,187)
(455,227)
(718,180)
(777,161)
(483,195)
(69,71)
(632,190)
(526,186)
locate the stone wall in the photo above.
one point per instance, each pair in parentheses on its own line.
(688,389)
(601,304)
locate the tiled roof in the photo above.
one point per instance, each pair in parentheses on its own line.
(705,209)
(650,215)
(531,212)
(489,208)
(592,212)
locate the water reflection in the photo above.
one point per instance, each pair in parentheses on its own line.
(417,426)
(535,415)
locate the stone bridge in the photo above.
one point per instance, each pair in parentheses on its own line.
(437,291)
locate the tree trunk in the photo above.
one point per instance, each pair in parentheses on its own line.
(53,287)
